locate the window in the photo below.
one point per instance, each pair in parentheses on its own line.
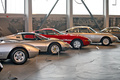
(2,6)
(106,30)
(114,6)
(29,37)
(15,6)
(59,32)
(50,32)
(84,30)
(95,6)
(44,6)
(40,32)
(76,30)
(115,30)
(70,31)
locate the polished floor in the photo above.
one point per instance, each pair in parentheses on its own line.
(93,62)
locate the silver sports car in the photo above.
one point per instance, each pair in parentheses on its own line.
(53,46)
(17,52)
(104,38)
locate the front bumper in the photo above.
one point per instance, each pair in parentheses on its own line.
(66,47)
(114,39)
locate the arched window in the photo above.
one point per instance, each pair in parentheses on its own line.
(44,6)
(2,6)
(114,7)
(15,6)
(95,6)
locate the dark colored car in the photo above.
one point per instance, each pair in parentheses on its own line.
(1,67)
(113,30)
(75,41)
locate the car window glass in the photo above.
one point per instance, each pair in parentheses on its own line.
(40,37)
(50,32)
(115,30)
(29,37)
(119,29)
(104,30)
(40,32)
(70,31)
(58,32)
(17,36)
(76,30)
(109,30)
(92,30)
(84,30)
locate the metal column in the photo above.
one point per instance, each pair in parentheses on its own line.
(28,15)
(106,12)
(5,7)
(47,15)
(69,12)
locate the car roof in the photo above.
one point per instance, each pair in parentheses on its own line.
(25,33)
(79,27)
(47,29)
(113,27)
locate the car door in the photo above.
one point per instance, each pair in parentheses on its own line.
(51,34)
(87,33)
(32,39)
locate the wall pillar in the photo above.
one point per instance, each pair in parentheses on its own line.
(106,13)
(69,11)
(28,15)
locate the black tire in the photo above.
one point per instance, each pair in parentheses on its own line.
(19,56)
(77,44)
(54,48)
(106,41)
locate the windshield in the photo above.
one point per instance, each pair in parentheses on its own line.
(59,32)
(92,30)
(41,37)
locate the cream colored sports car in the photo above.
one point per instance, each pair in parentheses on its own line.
(104,38)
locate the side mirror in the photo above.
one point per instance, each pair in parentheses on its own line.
(66,31)
(1,67)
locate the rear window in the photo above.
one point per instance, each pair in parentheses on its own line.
(29,37)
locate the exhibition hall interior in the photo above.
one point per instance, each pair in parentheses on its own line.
(59,39)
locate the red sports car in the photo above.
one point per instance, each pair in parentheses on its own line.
(74,40)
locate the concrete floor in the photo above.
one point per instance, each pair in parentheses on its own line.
(89,63)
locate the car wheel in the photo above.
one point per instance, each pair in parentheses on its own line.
(19,56)
(54,48)
(106,41)
(77,44)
